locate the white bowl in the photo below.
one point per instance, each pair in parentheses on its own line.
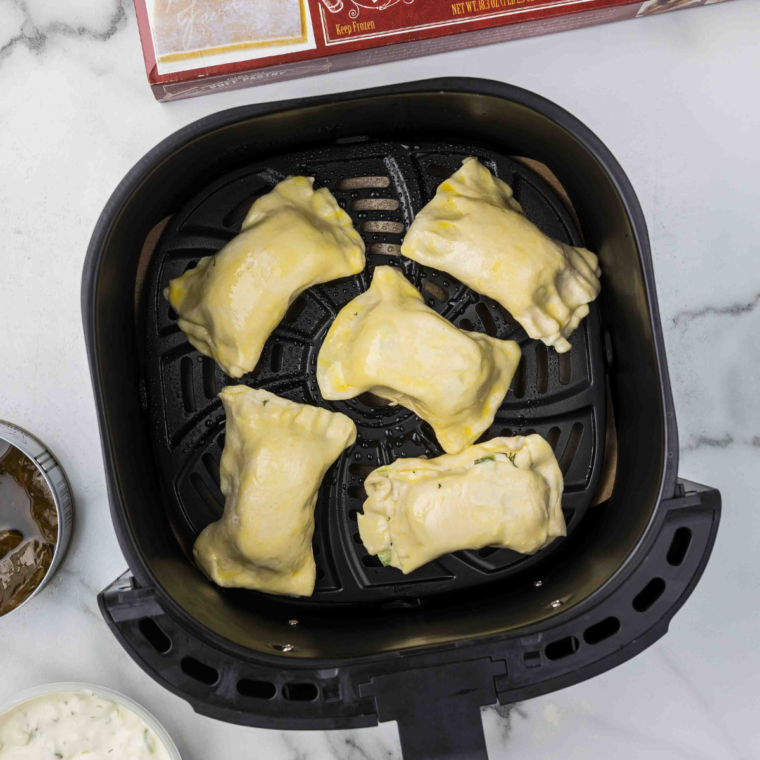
(101,691)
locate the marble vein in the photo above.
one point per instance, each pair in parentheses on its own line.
(35,36)
(700,700)
(734,310)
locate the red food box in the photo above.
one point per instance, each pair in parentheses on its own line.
(195,47)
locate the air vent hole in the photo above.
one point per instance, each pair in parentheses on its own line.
(434,170)
(484,314)
(361,471)
(679,547)
(601,631)
(370,560)
(385,249)
(436,290)
(649,595)
(199,671)
(552,437)
(297,308)
(358,183)
(392,228)
(520,379)
(562,648)
(357,492)
(542,368)
(186,378)
(374,204)
(565,368)
(197,482)
(370,399)
(234,219)
(276,360)
(208,367)
(212,468)
(576,433)
(465,324)
(155,635)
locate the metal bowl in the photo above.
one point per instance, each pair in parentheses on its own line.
(54,476)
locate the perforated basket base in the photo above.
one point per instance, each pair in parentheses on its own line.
(382,186)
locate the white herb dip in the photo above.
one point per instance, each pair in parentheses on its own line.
(76,726)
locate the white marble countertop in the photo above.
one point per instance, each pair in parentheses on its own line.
(675,99)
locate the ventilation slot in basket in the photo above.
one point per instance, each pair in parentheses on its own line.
(197,482)
(576,433)
(395,228)
(212,468)
(565,368)
(373,204)
(385,249)
(361,471)
(208,367)
(679,547)
(154,635)
(489,326)
(256,689)
(601,631)
(357,492)
(359,183)
(542,368)
(188,392)
(297,308)
(235,218)
(199,671)
(436,290)
(520,379)
(562,648)
(370,399)
(649,595)
(276,360)
(439,171)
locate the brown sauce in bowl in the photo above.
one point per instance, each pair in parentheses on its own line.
(28,528)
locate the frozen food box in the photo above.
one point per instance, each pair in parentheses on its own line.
(195,47)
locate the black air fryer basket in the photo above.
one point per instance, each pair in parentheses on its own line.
(473,628)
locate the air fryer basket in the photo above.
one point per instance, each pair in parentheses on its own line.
(372,645)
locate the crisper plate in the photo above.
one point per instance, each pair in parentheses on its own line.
(382,185)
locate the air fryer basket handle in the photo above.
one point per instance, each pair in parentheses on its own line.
(453,735)
(437,709)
